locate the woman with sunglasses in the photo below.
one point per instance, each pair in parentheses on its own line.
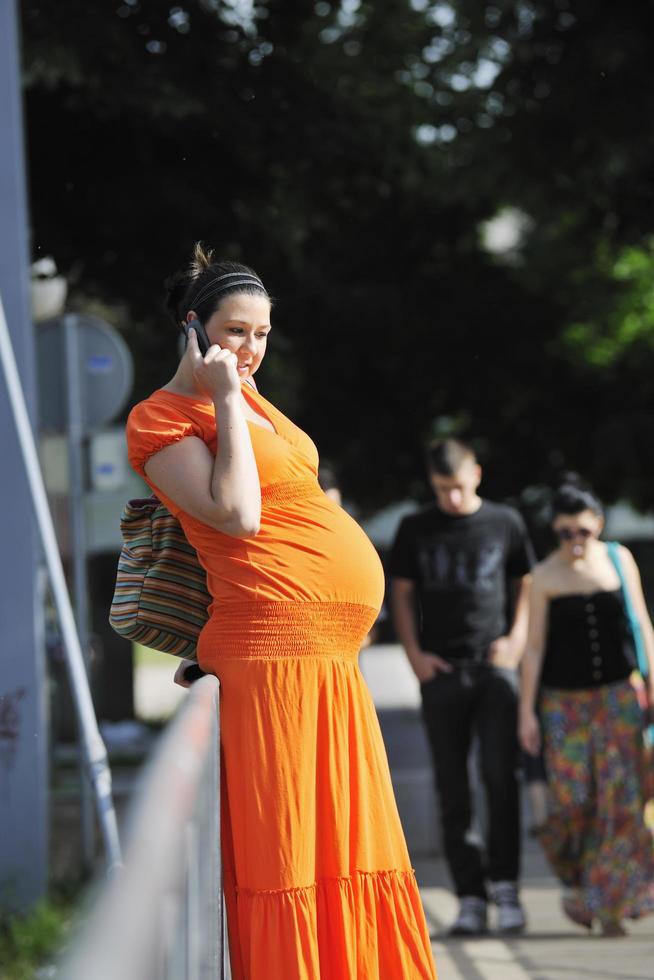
(580,651)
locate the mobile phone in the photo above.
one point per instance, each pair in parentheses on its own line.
(203,341)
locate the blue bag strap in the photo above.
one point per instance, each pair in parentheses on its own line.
(613,549)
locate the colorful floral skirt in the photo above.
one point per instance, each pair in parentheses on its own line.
(595,837)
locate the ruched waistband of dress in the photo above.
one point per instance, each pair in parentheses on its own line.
(277,494)
(273,630)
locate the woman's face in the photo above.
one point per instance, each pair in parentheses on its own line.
(242,324)
(575,531)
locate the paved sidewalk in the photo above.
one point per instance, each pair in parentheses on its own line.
(551,949)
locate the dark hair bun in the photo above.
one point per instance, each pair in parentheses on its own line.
(574,495)
(192,288)
(176,287)
(572,479)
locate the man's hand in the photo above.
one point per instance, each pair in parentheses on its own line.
(504,652)
(428,665)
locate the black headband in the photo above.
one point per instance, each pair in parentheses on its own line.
(218,285)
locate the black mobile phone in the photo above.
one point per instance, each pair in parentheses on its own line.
(203,341)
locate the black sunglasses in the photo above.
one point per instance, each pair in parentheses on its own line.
(569,533)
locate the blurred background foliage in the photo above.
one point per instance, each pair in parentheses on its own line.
(353,153)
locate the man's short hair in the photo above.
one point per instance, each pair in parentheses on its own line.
(446,456)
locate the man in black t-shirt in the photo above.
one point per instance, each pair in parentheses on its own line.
(460,578)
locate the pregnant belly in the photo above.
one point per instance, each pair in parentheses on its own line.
(314,552)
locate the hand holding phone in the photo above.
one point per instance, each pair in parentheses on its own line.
(216,374)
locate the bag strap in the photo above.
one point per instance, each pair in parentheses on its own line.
(613,549)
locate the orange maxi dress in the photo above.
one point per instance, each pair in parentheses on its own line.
(317,876)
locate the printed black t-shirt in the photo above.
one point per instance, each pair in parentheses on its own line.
(462,566)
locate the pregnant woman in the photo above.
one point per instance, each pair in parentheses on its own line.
(317,876)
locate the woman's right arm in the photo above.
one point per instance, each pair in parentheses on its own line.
(222,491)
(532,662)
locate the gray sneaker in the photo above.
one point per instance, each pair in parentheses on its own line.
(511,916)
(472,919)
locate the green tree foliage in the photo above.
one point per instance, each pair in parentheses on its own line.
(350,151)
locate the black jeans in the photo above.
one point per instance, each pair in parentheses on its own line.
(481,699)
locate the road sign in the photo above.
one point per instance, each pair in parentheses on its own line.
(104,371)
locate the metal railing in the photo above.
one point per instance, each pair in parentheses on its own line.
(161,916)
(92,747)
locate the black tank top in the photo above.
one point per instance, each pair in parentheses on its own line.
(589,641)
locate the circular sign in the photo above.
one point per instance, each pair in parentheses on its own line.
(103,370)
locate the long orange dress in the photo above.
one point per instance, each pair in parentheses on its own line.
(317,877)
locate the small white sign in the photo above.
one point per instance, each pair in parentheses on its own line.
(108,456)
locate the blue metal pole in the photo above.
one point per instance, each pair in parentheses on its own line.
(23,729)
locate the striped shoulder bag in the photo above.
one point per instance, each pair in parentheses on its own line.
(161,596)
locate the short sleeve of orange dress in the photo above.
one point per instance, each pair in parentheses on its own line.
(152,425)
(158,422)
(317,876)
